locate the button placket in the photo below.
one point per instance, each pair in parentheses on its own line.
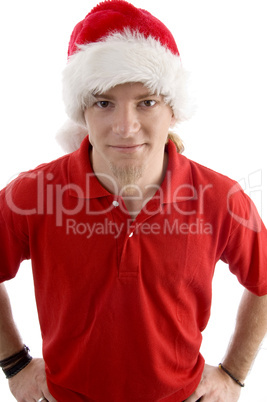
(130,257)
(128,244)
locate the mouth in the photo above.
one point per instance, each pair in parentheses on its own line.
(127,148)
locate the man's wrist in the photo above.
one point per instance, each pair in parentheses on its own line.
(13,364)
(231,375)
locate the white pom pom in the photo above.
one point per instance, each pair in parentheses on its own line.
(70,136)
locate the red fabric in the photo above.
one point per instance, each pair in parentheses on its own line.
(114,16)
(121,315)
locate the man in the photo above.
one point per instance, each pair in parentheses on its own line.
(124,234)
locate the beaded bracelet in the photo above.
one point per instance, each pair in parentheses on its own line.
(14,364)
(231,375)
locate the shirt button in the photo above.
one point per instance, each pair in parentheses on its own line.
(131,234)
(115,203)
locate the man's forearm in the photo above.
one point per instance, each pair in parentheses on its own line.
(251,327)
(10,340)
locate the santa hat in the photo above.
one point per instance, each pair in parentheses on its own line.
(118,43)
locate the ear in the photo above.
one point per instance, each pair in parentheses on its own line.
(173,121)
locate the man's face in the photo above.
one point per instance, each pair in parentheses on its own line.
(128,128)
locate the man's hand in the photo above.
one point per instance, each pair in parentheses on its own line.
(215,386)
(30,383)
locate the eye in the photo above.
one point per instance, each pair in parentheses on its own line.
(148,103)
(102,104)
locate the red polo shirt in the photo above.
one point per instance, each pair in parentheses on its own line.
(122,304)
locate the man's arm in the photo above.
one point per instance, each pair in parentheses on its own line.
(10,340)
(30,383)
(251,327)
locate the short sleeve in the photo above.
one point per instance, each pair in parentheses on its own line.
(246,249)
(14,244)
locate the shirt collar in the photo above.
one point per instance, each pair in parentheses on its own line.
(83,183)
(177,185)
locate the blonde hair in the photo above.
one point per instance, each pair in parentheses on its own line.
(177,141)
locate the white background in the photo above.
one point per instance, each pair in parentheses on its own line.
(223,44)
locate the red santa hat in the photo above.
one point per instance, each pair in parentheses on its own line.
(118,43)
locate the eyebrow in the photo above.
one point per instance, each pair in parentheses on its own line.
(146,95)
(98,96)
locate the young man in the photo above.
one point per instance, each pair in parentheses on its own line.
(124,234)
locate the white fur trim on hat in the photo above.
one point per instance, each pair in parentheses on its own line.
(121,58)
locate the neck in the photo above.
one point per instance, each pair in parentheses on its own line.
(135,195)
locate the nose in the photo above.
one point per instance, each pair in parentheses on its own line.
(125,121)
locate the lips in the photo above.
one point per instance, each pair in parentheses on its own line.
(127,148)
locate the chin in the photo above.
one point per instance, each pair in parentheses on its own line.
(127,174)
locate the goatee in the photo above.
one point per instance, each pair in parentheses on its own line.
(128,177)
